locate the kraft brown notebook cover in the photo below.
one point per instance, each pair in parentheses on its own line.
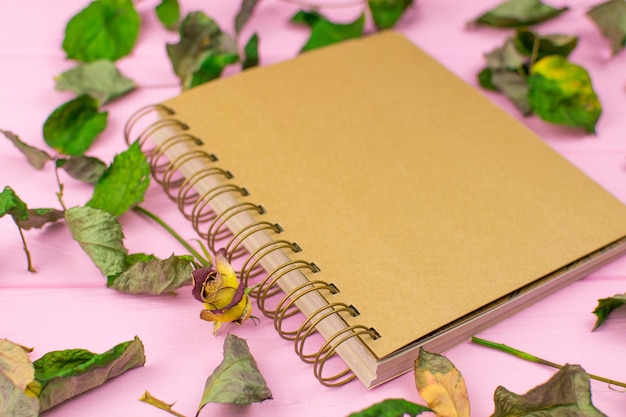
(430,210)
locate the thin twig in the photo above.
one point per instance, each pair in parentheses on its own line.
(29,260)
(532,358)
(149,399)
(60,193)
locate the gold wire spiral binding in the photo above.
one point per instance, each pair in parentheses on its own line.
(185,199)
(156,166)
(328,350)
(139,114)
(251,264)
(266,291)
(309,326)
(287,306)
(198,208)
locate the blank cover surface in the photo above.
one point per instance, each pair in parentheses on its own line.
(415,195)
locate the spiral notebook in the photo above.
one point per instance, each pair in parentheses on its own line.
(377,200)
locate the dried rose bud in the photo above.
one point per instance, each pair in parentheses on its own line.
(224,297)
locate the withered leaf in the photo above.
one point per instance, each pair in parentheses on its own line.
(566,394)
(606,307)
(441,385)
(237,379)
(15,402)
(538,46)
(36,157)
(154,276)
(243,15)
(39,217)
(64,374)
(100,235)
(610,18)
(16,364)
(84,168)
(518,13)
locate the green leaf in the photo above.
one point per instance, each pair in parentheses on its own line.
(200,48)
(567,393)
(210,69)
(606,307)
(243,15)
(100,79)
(100,235)
(84,168)
(441,385)
(303,17)
(12,205)
(39,217)
(154,276)
(14,401)
(106,29)
(36,157)
(324,32)
(485,79)
(67,373)
(168,12)
(561,92)
(251,51)
(517,13)
(237,379)
(386,13)
(124,183)
(392,408)
(514,87)
(73,126)
(610,18)
(529,43)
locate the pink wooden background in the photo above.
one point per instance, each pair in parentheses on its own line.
(66,305)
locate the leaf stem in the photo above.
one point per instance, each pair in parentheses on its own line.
(532,358)
(29,259)
(196,254)
(534,53)
(149,399)
(60,193)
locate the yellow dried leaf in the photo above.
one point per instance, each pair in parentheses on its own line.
(441,385)
(15,364)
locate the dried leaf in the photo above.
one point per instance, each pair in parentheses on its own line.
(100,235)
(251,51)
(14,401)
(237,379)
(529,43)
(73,126)
(16,364)
(518,13)
(514,87)
(610,18)
(561,92)
(12,205)
(506,57)
(36,157)
(106,29)
(606,307)
(124,183)
(324,32)
(38,218)
(154,276)
(64,374)
(243,15)
(392,408)
(566,394)
(84,168)
(168,12)
(100,79)
(199,50)
(386,13)
(441,385)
